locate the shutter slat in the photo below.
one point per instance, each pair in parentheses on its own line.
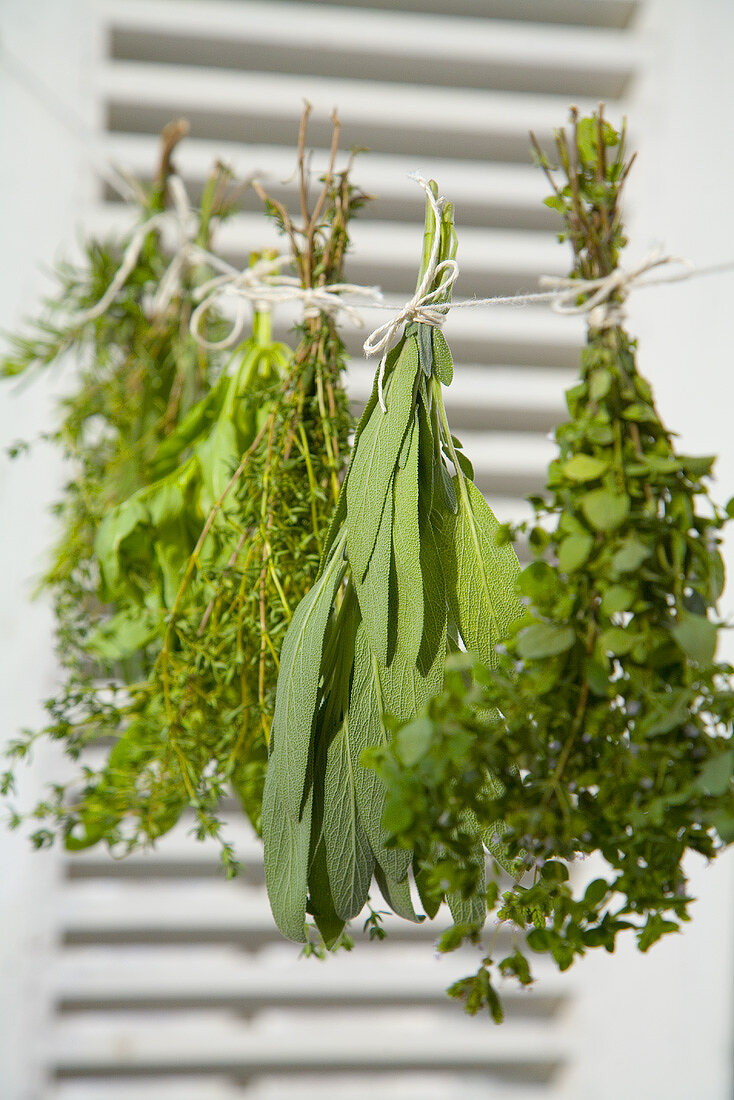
(385,45)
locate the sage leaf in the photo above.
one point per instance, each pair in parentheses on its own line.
(375,459)
(366,730)
(397,895)
(406,549)
(443,363)
(481,573)
(287,844)
(349,858)
(298,685)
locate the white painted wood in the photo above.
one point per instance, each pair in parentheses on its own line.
(419,109)
(314,28)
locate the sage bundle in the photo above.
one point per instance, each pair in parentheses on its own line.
(607,719)
(412,570)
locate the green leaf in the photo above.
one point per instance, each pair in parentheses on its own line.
(433,642)
(124,634)
(599,383)
(366,730)
(617,640)
(716,774)
(373,591)
(298,684)
(696,636)
(544,640)
(471,911)
(406,551)
(443,364)
(375,459)
(397,895)
(604,509)
(584,467)
(481,574)
(618,597)
(574,551)
(287,844)
(414,740)
(349,858)
(630,555)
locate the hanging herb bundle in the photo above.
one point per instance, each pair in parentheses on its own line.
(412,568)
(608,719)
(253,470)
(140,373)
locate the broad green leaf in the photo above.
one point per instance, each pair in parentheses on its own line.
(127,632)
(287,844)
(373,591)
(375,459)
(472,910)
(617,640)
(696,636)
(406,549)
(298,684)
(443,364)
(481,575)
(604,509)
(574,551)
(433,642)
(618,597)
(717,773)
(349,858)
(585,467)
(630,555)
(544,640)
(366,730)
(397,895)
(431,896)
(414,740)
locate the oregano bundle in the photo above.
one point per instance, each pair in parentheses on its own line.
(607,720)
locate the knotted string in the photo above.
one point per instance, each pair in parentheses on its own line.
(424,306)
(188,254)
(262,285)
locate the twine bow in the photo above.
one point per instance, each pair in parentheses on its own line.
(425,305)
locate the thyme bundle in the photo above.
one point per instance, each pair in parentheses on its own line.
(607,722)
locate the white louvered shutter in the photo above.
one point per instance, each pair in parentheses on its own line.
(169,983)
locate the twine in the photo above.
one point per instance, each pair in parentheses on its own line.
(188,254)
(263,286)
(424,306)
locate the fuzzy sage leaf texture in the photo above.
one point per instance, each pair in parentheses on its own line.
(605,717)
(414,566)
